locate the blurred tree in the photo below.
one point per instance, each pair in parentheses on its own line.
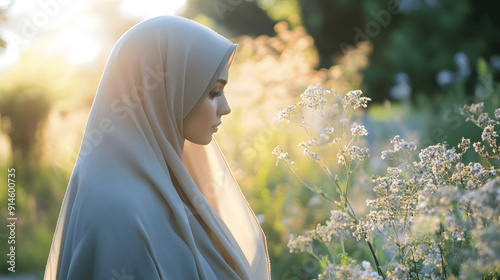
(424,38)
(418,38)
(29,92)
(238,17)
(25,108)
(331,23)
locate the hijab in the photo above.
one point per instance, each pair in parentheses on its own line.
(143,202)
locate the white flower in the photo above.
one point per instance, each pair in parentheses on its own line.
(399,272)
(486,201)
(483,120)
(475,108)
(341,158)
(384,154)
(350,271)
(287,114)
(358,153)
(489,133)
(358,130)
(282,155)
(301,243)
(338,226)
(314,97)
(464,144)
(353,98)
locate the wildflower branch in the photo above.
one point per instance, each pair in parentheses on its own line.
(414,264)
(379,270)
(313,189)
(443,266)
(329,174)
(454,205)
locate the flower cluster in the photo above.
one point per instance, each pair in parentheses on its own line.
(435,161)
(485,202)
(338,226)
(353,99)
(399,145)
(434,216)
(483,120)
(289,114)
(358,130)
(358,153)
(472,175)
(301,243)
(464,145)
(282,155)
(398,272)
(350,271)
(314,97)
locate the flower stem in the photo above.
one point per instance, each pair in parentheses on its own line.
(375,258)
(311,188)
(342,244)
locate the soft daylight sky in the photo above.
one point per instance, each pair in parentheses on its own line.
(68,27)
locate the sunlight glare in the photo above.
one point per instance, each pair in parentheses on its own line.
(78,42)
(82,49)
(143,9)
(4,4)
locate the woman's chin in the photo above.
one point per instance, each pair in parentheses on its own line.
(207,141)
(202,141)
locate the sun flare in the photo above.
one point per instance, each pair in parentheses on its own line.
(149,8)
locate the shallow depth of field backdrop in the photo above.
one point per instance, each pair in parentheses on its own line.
(419,61)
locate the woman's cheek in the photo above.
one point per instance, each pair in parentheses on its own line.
(211,111)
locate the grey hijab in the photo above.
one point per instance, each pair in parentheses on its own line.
(143,203)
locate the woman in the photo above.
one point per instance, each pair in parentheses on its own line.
(142,202)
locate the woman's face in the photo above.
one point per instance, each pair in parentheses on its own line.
(202,123)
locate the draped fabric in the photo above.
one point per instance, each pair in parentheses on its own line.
(143,202)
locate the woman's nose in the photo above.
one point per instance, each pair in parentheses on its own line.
(223,108)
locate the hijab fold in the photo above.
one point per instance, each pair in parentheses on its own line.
(142,202)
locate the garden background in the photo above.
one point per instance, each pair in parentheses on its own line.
(419,61)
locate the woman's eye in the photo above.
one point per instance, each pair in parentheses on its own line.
(216,93)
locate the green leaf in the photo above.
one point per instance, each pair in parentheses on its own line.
(482,67)
(324,261)
(345,260)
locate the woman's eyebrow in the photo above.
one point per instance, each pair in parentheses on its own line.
(222,81)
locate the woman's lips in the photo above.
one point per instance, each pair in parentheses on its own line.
(215,127)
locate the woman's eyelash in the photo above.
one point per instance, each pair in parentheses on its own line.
(216,93)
